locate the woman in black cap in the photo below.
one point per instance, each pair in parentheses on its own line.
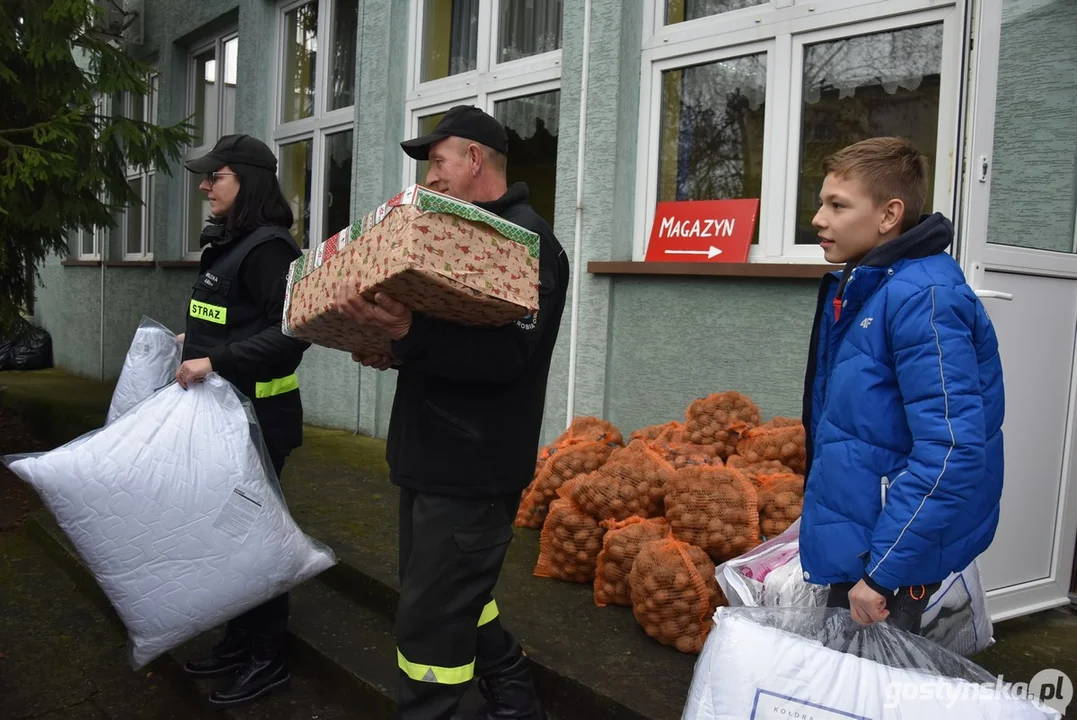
(234,329)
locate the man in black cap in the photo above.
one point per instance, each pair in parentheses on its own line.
(463,438)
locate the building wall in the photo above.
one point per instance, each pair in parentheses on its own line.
(675,339)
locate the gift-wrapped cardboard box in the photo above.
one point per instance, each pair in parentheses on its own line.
(436,254)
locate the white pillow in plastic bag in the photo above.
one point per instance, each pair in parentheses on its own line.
(177,512)
(771,576)
(767,663)
(151,363)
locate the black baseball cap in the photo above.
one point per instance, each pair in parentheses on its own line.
(235,150)
(465,121)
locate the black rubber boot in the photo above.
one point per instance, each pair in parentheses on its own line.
(230,654)
(263,673)
(510,693)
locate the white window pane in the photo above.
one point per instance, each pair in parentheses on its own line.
(711,142)
(204,98)
(1033,178)
(532,124)
(136,109)
(86,242)
(683,10)
(228,115)
(147,245)
(198,211)
(133,242)
(878,85)
(450,38)
(528,27)
(342,60)
(338,182)
(427,123)
(295,169)
(300,54)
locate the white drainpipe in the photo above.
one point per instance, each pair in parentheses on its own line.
(577,250)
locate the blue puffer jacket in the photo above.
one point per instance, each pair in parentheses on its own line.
(903,406)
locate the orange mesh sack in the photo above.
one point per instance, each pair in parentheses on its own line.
(530,514)
(663,432)
(622,543)
(574,458)
(714,509)
(718,419)
(631,482)
(781,500)
(781,439)
(753,471)
(593,429)
(570,542)
(674,593)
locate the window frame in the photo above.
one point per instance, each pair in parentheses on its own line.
(216,43)
(490,83)
(147,176)
(102,106)
(322,123)
(781,30)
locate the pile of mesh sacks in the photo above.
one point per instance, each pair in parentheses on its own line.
(647,519)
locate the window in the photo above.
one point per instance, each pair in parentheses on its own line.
(211,100)
(89,242)
(745,98)
(137,225)
(314,114)
(503,56)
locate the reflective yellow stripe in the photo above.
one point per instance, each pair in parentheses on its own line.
(276,387)
(209,313)
(489,613)
(435,674)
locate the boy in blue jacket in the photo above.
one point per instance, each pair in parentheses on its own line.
(903,398)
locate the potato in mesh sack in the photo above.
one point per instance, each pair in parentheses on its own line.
(570,542)
(674,593)
(530,514)
(622,543)
(592,429)
(682,454)
(753,471)
(781,439)
(574,458)
(717,419)
(663,432)
(631,482)
(715,509)
(781,500)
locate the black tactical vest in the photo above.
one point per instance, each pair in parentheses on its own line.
(220,313)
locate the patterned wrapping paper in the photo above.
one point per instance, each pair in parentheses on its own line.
(436,254)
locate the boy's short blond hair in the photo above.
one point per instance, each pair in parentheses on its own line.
(889,168)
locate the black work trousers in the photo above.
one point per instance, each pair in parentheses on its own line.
(906,607)
(447,625)
(267,624)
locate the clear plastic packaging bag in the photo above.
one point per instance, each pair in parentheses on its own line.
(151,364)
(768,663)
(771,576)
(176,511)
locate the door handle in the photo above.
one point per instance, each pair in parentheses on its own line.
(994,294)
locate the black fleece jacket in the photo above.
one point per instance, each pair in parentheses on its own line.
(469,400)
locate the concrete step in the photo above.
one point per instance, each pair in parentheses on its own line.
(309,696)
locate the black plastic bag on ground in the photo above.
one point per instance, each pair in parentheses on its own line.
(25,347)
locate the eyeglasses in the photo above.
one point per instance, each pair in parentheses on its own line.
(212,177)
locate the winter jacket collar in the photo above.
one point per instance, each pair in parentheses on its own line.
(516,194)
(932,235)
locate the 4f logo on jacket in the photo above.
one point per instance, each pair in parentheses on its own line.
(866,323)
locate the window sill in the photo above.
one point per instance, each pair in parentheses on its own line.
(712,269)
(176,264)
(130,264)
(71,262)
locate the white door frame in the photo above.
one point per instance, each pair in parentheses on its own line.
(978,256)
